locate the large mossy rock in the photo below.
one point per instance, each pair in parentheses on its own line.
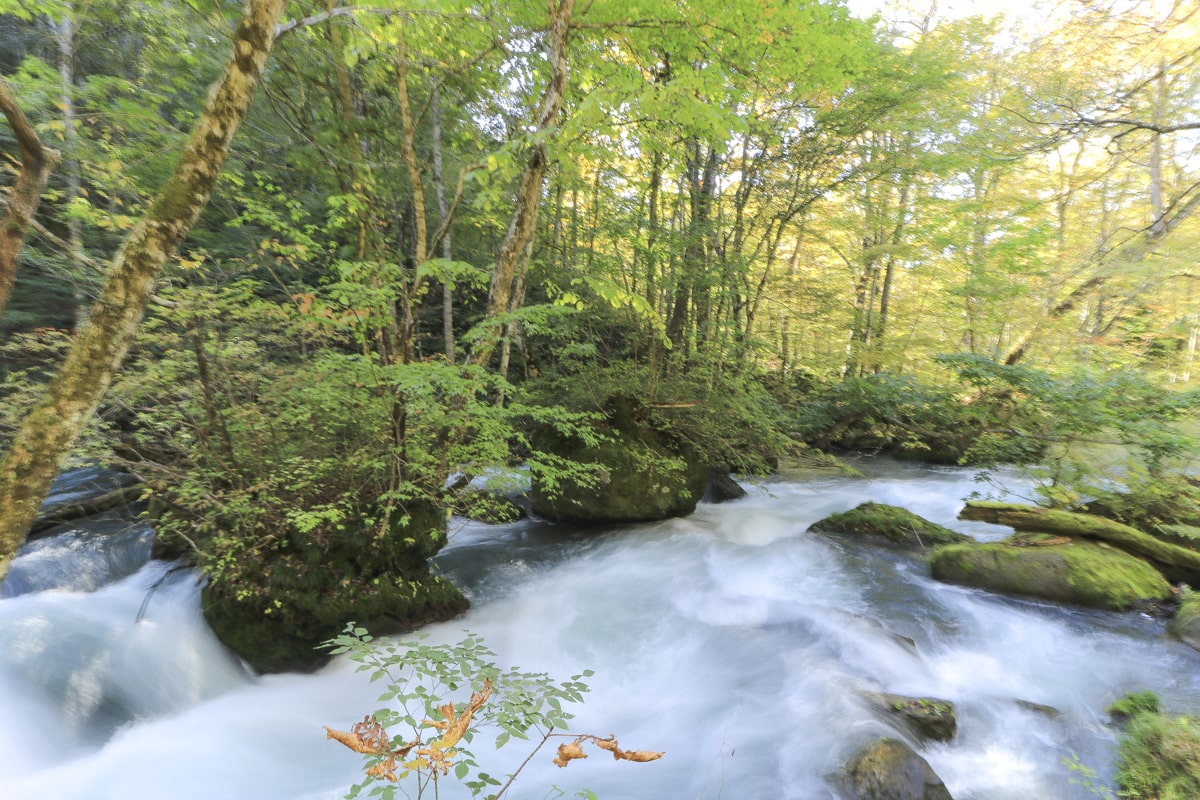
(888,769)
(642,475)
(891,523)
(1079,573)
(1186,624)
(305,591)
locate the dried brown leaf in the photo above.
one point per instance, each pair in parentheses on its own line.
(568,751)
(613,746)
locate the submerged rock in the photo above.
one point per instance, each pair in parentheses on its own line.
(891,523)
(888,769)
(1079,573)
(926,718)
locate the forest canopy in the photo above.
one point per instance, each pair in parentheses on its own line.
(453,237)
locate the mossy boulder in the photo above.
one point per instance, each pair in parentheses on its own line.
(721,486)
(926,718)
(890,523)
(642,475)
(1078,573)
(1186,624)
(1177,563)
(305,590)
(888,769)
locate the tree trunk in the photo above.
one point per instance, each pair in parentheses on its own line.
(439,182)
(1158,219)
(529,193)
(50,430)
(64,34)
(37,162)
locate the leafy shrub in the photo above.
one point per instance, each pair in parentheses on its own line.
(897,413)
(1115,437)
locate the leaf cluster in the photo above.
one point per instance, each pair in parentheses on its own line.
(435,693)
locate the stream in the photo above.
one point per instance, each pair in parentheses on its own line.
(733,640)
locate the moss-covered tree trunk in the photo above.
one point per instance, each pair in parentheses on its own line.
(37,162)
(50,430)
(529,192)
(1178,562)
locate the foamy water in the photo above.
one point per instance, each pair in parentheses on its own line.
(733,640)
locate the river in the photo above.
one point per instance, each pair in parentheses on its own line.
(733,640)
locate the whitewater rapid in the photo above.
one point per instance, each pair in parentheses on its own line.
(733,640)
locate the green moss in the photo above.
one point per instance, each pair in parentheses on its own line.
(1186,623)
(305,591)
(896,525)
(927,718)
(1159,758)
(1133,704)
(1081,573)
(645,478)
(888,769)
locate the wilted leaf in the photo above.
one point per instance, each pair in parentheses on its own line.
(568,751)
(613,746)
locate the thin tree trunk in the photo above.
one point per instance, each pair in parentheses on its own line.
(50,430)
(37,162)
(439,183)
(1158,220)
(64,34)
(524,218)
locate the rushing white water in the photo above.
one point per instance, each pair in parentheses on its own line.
(733,640)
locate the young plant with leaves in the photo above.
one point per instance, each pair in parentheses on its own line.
(423,733)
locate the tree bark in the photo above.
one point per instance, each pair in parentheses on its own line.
(50,430)
(37,162)
(64,35)
(529,192)
(439,183)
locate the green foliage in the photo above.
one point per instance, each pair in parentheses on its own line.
(1117,436)
(250,443)
(716,415)
(428,686)
(899,413)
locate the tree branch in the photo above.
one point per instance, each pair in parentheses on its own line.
(37,162)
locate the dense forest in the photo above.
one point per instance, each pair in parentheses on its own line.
(403,257)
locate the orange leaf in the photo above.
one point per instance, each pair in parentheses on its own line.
(569,751)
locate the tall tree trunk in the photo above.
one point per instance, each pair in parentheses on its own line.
(1158,219)
(64,34)
(439,184)
(37,162)
(50,430)
(529,192)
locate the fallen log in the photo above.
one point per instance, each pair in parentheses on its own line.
(1179,563)
(86,507)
